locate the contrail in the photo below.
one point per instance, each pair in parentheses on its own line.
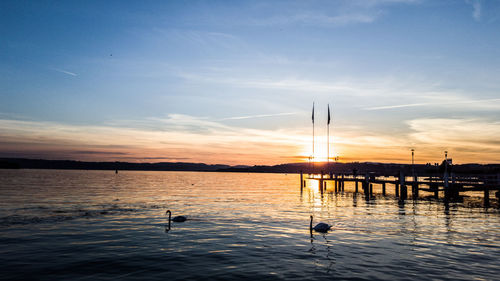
(395,106)
(64,71)
(428,103)
(258,116)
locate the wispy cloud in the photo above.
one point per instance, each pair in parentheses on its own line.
(476,134)
(204,39)
(177,137)
(410,91)
(471,103)
(318,19)
(258,116)
(328,13)
(291,84)
(96,152)
(476,9)
(395,106)
(64,71)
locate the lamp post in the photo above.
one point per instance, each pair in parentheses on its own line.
(413,162)
(446,161)
(445,177)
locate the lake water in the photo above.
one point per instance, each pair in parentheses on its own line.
(87,225)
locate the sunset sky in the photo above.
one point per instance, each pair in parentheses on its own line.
(234,81)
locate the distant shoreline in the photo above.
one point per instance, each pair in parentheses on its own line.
(289,168)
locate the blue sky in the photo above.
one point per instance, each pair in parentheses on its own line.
(191,81)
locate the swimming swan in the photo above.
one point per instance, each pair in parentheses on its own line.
(320,227)
(175,219)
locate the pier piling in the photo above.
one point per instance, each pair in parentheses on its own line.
(366,188)
(414,190)
(336,183)
(486,197)
(452,185)
(403,194)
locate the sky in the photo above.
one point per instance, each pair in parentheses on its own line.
(233,82)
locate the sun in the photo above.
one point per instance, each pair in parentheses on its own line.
(320,152)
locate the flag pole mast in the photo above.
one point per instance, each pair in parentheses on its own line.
(328,141)
(313,138)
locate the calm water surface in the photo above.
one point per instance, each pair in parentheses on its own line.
(86,225)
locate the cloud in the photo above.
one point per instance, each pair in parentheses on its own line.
(201,139)
(409,91)
(64,71)
(178,136)
(100,152)
(470,139)
(204,39)
(469,103)
(327,13)
(476,9)
(395,106)
(289,84)
(317,19)
(258,116)
(158,158)
(453,131)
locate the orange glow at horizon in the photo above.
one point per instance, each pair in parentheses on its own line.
(231,145)
(322,151)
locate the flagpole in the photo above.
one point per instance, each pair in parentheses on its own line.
(328,141)
(313,139)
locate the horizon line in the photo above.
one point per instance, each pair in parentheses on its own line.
(248,165)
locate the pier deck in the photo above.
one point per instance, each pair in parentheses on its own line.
(452,185)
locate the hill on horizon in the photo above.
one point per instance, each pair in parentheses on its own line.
(318,167)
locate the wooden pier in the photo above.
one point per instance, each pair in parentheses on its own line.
(450,185)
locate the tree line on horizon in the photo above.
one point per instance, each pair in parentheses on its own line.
(389,169)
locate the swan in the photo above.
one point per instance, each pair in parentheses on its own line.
(175,219)
(320,227)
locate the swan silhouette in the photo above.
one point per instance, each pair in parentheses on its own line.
(175,219)
(320,227)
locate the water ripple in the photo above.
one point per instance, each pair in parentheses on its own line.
(87,225)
